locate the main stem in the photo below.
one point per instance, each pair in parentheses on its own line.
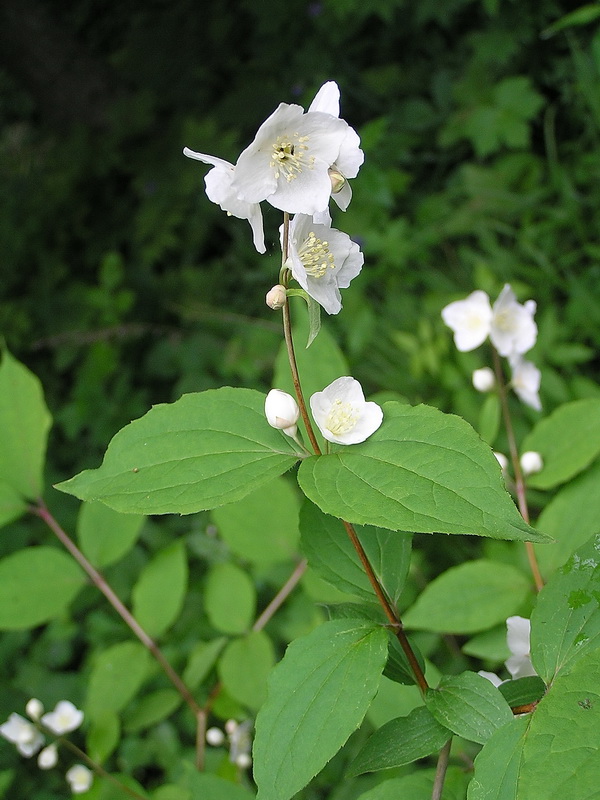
(518,472)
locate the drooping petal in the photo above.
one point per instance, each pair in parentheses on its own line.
(526,380)
(470,319)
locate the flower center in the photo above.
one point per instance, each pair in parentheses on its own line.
(504,320)
(342,418)
(289,156)
(315,256)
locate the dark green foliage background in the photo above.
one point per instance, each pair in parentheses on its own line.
(122,286)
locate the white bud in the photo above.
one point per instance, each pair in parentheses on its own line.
(281,411)
(231,725)
(34,708)
(243,761)
(484,379)
(276,297)
(531,462)
(48,757)
(215,736)
(79,778)
(502,460)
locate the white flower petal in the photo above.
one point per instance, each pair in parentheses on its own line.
(342,414)
(526,380)
(470,319)
(327,99)
(79,778)
(518,630)
(281,411)
(513,330)
(491,677)
(65,718)
(48,757)
(531,462)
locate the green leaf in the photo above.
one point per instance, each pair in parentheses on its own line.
(489,418)
(105,535)
(468,598)
(204,786)
(160,590)
(581,16)
(151,709)
(116,676)
(314,320)
(497,764)
(24,425)
(36,585)
(401,741)
(398,667)
(419,785)
(230,598)
(203,451)
(523,690)
(201,660)
(469,705)
(562,750)
(318,695)
(565,624)
(571,517)
(103,736)
(244,668)
(568,440)
(331,553)
(263,527)
(421,471)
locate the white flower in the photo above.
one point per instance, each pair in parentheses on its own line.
(484,379)
(64,719)
(513,330)
(240,742)
(350,157)
(502,460)
(79,778)
(470,319)
(219,190)
(517,637)
(288,162)
(491,677)
(531,462)
(23,734)
(323,260)
(525,381)
(215,737)
(281,411)
(342,414)
(34,708)
(48,757)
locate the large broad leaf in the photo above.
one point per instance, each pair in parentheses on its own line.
(401,741)
(468,598)
(24,424)
(568,440)
(498,763)
(469,705)
(561,755)
(331,553)
(565,624)
(36,585)
(318,695)
(421,471)
(205,450)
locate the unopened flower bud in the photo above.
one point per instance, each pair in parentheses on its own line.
(48,757)
(484,379)
(243,761)
(215,737)
(276,297)
(34,708)
(337,180)
(502,460)
(531,462)
(231,725)
(281,411)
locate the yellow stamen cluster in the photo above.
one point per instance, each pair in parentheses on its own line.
(289,156)
(342,418)
(315,256)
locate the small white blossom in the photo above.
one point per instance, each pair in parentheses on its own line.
(502,460)
(243,760)
(23,734)
(342,413)
(526,380)
(470,319)
(48,757)
(323,260)
(484,379)
(519,664)
(512,329)
(281,411)
(288,162)
(219,190)
(79,778)
(34,708)
(65,718)
(531,462)
(276,297)
(491,677)
(240,742)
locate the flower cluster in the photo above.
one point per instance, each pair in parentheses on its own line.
(29,739)
(340,411)
(237,736)
(518,664)
(298,160)
(510,327)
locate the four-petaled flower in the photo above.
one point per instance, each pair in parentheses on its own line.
(65,718)
(23,734)
(323,260)
(342,413)
(512,330)
(470,319)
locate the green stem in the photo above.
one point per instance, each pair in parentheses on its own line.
(516,464)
